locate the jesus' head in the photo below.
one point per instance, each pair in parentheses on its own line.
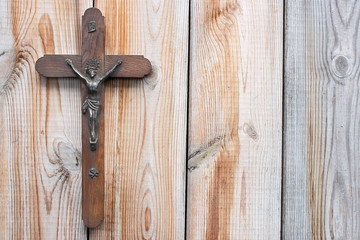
(92,66)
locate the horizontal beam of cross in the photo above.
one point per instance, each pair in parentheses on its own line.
(133,66)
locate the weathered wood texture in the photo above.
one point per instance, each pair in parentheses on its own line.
(40,132)
(145,143)
(321,154)
(235,124)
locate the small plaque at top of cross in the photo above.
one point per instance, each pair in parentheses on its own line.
(93,67)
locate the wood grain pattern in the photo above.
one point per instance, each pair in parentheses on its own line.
(40,150)
(55,66)
(145,143)
(321,161)
(234,158)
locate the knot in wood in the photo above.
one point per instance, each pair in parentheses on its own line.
(341,66)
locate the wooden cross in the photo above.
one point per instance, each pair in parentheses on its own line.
(93,67)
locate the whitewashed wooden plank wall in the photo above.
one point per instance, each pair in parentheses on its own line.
(40,133)
(247,128)
(235,120)
(146,139)
(321,121)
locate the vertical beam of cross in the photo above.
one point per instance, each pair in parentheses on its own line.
(93,47)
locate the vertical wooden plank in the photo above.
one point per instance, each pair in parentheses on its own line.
(40,150)
(321,157)
(145,136)
(235,137)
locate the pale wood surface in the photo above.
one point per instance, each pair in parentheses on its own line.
(145,138)
(40,132)
(321,139)
(235,122)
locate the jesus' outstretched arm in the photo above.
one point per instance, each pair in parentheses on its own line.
(118,63)
(76,71)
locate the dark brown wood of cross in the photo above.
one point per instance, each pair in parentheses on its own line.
(92,67)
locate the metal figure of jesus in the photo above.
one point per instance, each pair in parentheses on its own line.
(92,102)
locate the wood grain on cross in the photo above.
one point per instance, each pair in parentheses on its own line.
(93,66)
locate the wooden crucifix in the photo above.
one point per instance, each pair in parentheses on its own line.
(93,67)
